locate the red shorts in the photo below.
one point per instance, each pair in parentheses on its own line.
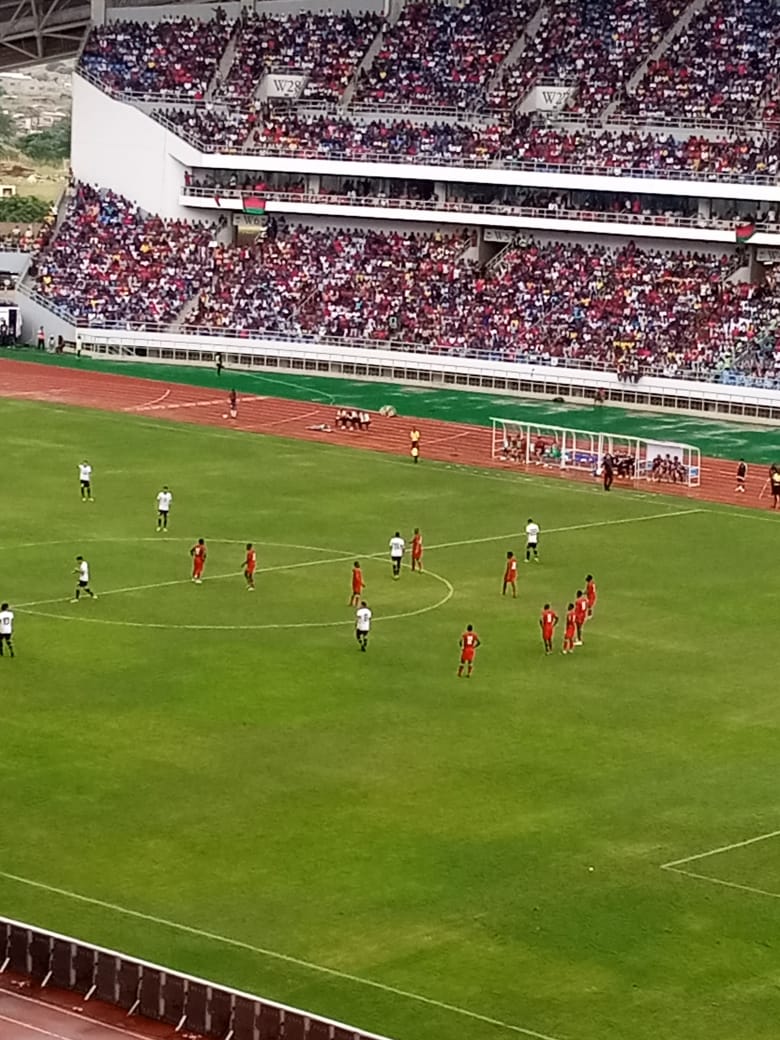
(579,619)
(547,634)
(569,633)
(591,603)
(417,555)
(356,590)
(197,567)
(467,657)
(250,572)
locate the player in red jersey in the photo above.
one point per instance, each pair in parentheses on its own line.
(590,593)
(469,642)
(198,554)
(417,550)
(357,584)
(570,631)
(547,623)
(510,575)
(580,614)
(250,564)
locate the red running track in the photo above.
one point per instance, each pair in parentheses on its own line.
(30,1013)
(443,441)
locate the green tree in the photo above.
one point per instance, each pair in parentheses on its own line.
(23,209)
(51,145)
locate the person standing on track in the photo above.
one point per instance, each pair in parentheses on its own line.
(414,440)
(774,484)
(741,476)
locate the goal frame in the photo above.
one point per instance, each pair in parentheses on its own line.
(568,448)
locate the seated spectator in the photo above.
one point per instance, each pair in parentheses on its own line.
(108,262)
(176,58)
(724,64)
(442,55)
(326,47)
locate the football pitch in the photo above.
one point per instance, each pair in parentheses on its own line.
(560,847)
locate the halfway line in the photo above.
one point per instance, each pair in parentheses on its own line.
(275,955)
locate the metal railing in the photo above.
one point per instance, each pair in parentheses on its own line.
(659,368)
(487,209)
(190,1004)
(500,161)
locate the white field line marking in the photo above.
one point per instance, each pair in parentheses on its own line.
(35,393)
(296,418)
(78,1015)
(186,581)
(724,884)
(203,403)
(275,955)
(571,527)
(148,404)
(721,848)
(450,437)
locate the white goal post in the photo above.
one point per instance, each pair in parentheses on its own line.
(567,448)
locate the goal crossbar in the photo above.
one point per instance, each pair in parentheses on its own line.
(570,448)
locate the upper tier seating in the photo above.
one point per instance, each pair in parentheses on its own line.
(327,46)
(172,58)
(595,44)
(443,55)
(286,132)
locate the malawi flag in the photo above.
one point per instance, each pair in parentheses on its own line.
(744,232)
(254,204)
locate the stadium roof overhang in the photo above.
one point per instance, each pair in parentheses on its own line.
(35,31)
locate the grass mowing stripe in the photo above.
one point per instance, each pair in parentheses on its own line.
(276,955)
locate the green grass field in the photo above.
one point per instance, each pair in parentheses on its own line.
(229,762)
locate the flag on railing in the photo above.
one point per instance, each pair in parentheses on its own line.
(745,232)
(253,204)
(217,198)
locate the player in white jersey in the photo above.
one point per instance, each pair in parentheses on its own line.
(363,624)
(85,480)
(164,499)
(531,541)
(397,546)
(6,629)
(82,569)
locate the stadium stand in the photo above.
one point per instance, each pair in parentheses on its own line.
(442,55)
(176,58)
(724,65)
(108,261)
(596,44)
(670,311)
(289,132)
(17,239)
(327,46)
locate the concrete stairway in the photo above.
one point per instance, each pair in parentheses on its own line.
(517,48)
(691,10)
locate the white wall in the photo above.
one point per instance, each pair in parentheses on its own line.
(116,146)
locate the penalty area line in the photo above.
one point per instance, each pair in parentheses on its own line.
(286,958)
(721,848)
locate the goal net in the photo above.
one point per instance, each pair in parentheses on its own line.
(567,448)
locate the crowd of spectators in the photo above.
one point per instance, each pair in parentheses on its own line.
(327,47)
(108,261)
(288,132)
(541,301)
(725,64)
(176,58)
(593,44)
(442,54)
(17,239)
